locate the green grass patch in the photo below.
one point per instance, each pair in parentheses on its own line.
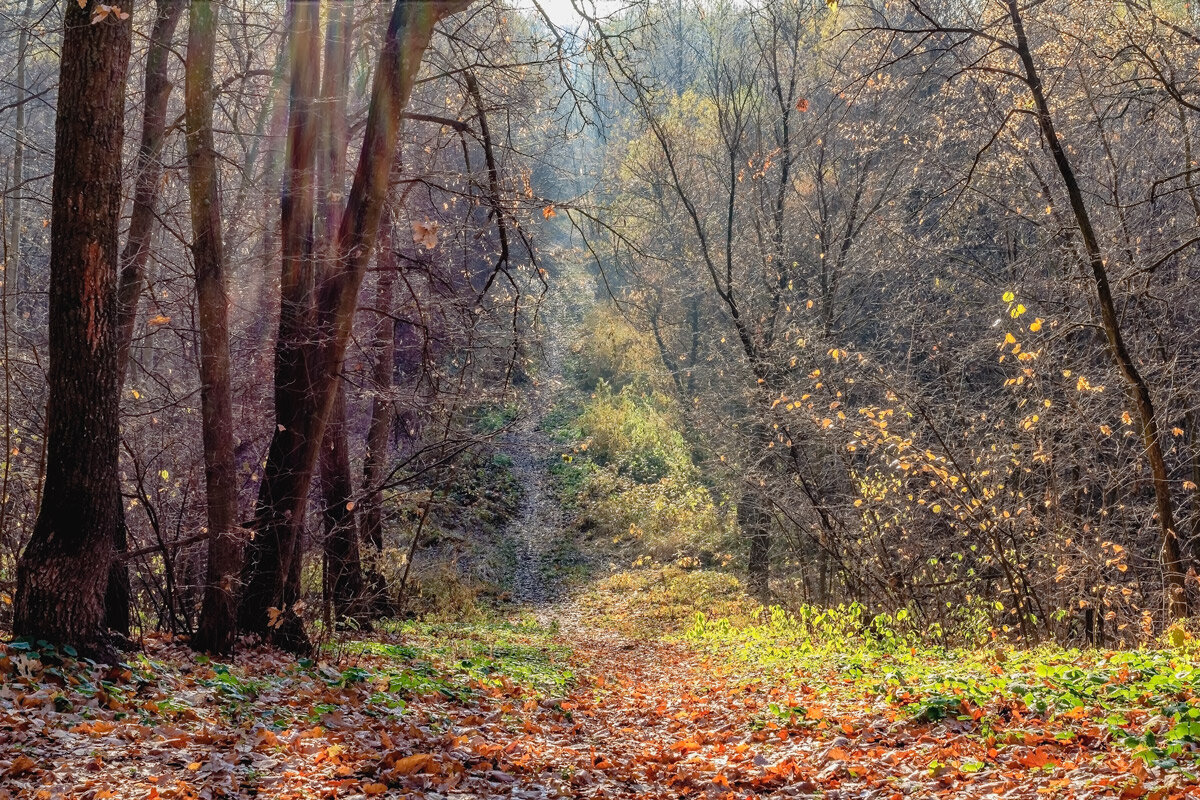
(484,653)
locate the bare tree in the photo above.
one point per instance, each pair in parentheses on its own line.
(315,328)
(218,613)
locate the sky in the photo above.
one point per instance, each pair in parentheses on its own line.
(563,11)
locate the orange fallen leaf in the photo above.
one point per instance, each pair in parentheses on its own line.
(20,765)
(412,764)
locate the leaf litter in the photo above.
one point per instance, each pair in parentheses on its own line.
(423,715)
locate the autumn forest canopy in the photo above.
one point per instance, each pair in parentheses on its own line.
(413,360)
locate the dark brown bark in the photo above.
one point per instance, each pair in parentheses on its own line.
(136,253)
(218,612)
(1139,391)
(117,594)
(310,352)
(279,515)
(62,575)
(343,565)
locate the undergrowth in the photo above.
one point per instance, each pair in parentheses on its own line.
(520,652)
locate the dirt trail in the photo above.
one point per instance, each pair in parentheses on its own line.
(649,719)
(657,720)
(540,520)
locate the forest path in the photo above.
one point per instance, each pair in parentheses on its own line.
(562,709)
(650,719)
(640,719)
(540,521)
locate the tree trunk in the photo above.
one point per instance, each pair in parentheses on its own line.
(1172,565)
(147,177)
(383,348)
(343,566)
(135,255)
(12,249)
(756,526)
(269,592)
(63,573)
(310,354)
(218,611)
(379,434)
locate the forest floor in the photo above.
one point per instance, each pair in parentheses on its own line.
(516,709)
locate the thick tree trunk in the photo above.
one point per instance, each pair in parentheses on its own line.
(118,592)
(219,611)
(63,573)
(343,565)
(1139,390)
(269,592)
(309,356)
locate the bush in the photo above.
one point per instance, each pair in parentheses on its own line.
(635,433)
(667,519)
(666,600)
(613,351)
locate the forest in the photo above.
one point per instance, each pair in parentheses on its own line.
(599,399)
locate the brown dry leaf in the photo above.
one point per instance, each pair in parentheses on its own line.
(20,765)
(412,764)
(425,233)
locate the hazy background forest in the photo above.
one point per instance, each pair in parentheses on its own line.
(877,302)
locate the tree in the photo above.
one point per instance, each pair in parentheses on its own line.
(12,244)
(1003,39)
(1139,390)
(343,579)
(136,253)
(63,572)
(316,321)
(218,615)
(148,174)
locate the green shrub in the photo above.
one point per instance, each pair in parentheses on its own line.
(667,519)
(572,477)
(664,600)
(637,434)
(491,417)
